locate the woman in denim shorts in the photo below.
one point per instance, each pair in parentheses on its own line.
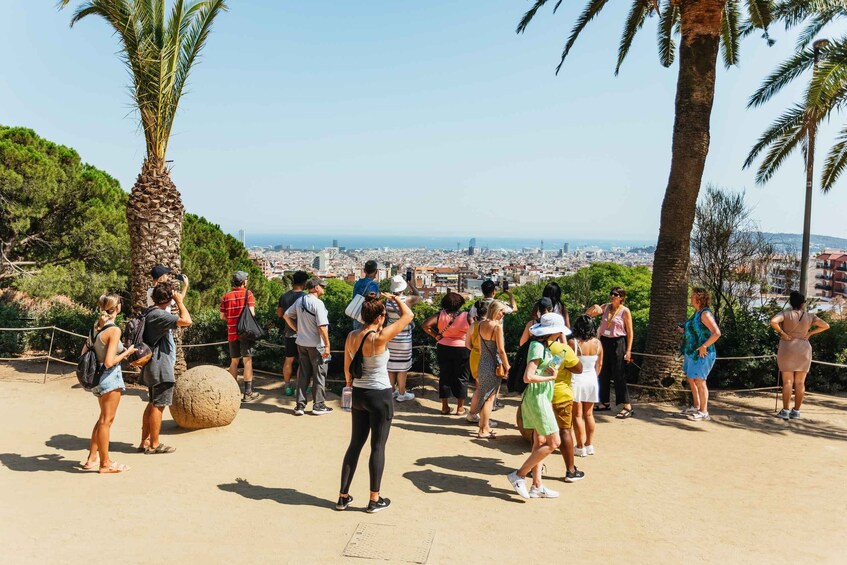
(106,341)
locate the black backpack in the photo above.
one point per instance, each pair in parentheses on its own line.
(247,327)
(88,368)
(515,382)
(356,364)
(134,335)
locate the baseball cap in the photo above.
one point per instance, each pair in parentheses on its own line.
(239,277)
(315,281)
(158,271)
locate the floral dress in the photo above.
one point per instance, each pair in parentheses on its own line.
(694,335)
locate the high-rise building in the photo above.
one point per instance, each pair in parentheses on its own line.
(472,246)
(242,237)
(566,248)
(335,243)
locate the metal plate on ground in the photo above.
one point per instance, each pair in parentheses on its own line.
(384,542)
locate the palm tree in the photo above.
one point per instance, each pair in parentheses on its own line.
(159,51)
(706,27)
(799,124)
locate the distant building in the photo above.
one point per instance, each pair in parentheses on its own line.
(335,243)
(321,262)
(472,246)
(566,248)
(830,279)
(784,275)
(242,237)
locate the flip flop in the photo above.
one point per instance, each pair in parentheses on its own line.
(491,435)
(86,466)
(161,448)
(464,412)
(115,467)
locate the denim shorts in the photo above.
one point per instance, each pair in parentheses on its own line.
(112,379)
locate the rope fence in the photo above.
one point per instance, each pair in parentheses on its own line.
(269,345)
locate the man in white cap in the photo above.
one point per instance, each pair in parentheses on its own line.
(240,349)
(310,319)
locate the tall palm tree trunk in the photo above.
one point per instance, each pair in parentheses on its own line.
(154,213)
(807,210)
(695,91)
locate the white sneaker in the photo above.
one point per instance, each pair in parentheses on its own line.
(689,411)
(542,492)
(472,418)
(518,484)
(492,424)
(395,394)
(405,396)
(784,414)
(589,449)
(580,452)
(699,416)
(794,414)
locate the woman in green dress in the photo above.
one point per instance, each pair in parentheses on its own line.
(536,405)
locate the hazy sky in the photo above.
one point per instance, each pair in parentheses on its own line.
(395,116)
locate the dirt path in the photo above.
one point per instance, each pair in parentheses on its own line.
(744,488)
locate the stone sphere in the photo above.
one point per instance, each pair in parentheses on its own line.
(205,397)
(525,432)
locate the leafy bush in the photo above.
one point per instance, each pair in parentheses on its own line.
(12,343)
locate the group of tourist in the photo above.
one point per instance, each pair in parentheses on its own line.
(568,371)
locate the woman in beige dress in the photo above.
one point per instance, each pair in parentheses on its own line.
(794,355)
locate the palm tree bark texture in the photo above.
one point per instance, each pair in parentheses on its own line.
(695,92)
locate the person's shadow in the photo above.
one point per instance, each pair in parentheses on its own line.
(68,442)
(433,482)
(289,496)
(46,462)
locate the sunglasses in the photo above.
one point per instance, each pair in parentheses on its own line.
(614,294)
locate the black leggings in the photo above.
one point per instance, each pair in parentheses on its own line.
(372,411)
(614,369)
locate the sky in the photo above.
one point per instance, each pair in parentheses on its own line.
(410,117)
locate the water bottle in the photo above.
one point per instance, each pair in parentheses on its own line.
(347,398)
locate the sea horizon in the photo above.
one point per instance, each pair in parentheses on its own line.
(370,241)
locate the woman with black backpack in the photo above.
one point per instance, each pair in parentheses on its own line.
(105,339)
(366,370)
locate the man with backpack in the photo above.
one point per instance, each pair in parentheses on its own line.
(162,274)
(310,319)
(366,285)
(158,373)
(240,348)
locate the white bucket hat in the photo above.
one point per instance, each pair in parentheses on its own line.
(398,284)
(549,324)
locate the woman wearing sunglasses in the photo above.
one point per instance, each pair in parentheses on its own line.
(616,339)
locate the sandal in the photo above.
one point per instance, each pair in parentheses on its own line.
(490,435)
(462,413)
(623,414)
(89,465)
(115,467)
(602,407)
(445,412)
(161,448)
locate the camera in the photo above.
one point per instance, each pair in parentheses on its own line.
(180,277)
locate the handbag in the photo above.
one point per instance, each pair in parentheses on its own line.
(354,308)
(500,370)
(247,327)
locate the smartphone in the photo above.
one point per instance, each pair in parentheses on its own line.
(505,285)
(408,275)
(180,277)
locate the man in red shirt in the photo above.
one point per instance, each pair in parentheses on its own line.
(231,306)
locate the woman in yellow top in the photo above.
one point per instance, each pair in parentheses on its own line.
(563,404)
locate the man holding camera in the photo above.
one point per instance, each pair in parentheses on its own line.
(162,274)
(240,349)
(158,373)
(310,319)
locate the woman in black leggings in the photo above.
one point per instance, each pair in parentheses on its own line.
(373,402)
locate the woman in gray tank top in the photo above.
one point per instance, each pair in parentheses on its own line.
(373,404)
(105,338)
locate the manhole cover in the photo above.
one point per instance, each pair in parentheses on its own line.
(381,541)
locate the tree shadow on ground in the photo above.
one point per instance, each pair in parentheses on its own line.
(67,442)
(433,482)
(289,496)
(465,463)
(46,462)
(511,444)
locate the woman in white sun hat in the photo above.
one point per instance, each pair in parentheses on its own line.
(400,348)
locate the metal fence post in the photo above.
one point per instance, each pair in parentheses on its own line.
(49,353)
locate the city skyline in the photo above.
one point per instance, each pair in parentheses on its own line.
(425,118)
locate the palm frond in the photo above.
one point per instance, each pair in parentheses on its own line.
(634,22)
(808,33)
(835,162)
(591,10)
(522,25)
(729,33)
(759,13)
(792,68)
(667,47)
(789,124)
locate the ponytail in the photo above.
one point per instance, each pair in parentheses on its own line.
(108,305)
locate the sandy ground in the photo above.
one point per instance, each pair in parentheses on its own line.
(744,488)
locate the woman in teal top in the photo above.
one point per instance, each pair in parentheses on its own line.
(699,334)
(536,405)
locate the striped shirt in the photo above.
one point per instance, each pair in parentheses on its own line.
(231,307)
